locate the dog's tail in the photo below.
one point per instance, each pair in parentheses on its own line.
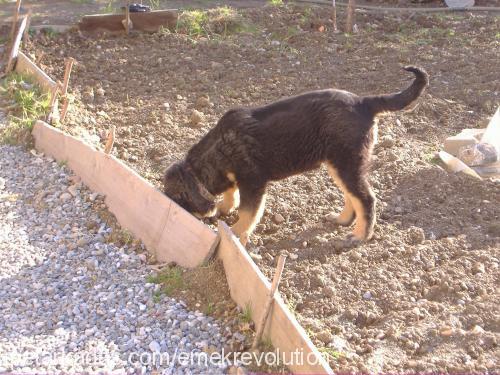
(402,99)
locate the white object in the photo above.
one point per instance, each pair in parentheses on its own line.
(492,133)
(459,3)
(456,165)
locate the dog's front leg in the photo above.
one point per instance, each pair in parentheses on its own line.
(230,200)
(250,212)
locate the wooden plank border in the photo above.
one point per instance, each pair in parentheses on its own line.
(250,288)
(26,66)
(143,21)
(171,239)
(16,44)
(167,230)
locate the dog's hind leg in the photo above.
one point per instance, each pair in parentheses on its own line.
(346,217)
(362,199)
(230,200)
(250,212)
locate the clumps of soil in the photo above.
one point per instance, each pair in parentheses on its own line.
(422,295)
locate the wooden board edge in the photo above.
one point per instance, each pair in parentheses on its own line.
(25,65)
(203,237)
(234,255)
(159,11)
(16,45)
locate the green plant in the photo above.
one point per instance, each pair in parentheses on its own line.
(209,310)
(62,163)
(276,3)
(170,280)
(109,8)
(29,105)
(155,4)
(246,314)
(330,353)
(211,23)
(50,32)
(157,296)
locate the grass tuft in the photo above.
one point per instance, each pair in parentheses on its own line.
(221,21)
(246,314)
(170,280)
(29,105)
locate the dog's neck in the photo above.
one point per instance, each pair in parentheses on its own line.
(203,190)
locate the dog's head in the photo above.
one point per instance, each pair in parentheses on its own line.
(181,185)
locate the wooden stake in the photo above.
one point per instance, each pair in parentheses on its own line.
(67,74)
(14,21)
(111,140)
(15,46)
(270,299)
(334,15)
(127,22)
(53,97)
(350,16)
(26,35)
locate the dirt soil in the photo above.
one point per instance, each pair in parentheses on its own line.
(423,294)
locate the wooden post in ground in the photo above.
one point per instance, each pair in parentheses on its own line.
(126,21)
(334,15)
(111,140)
(26,35)
(53,97)
(349,25)
(16,43)
(267,309)
(67,74)
(14,20)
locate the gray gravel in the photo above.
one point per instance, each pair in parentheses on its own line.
(69,302)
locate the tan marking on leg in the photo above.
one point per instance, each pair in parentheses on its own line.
(360,229)
(230,200)
(231,177)
(345,217)
(247,221)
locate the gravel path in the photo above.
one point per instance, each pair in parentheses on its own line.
(69,301)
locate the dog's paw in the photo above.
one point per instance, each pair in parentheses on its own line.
(352,240)
(339,220)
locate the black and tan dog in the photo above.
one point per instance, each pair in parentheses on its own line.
(248,148)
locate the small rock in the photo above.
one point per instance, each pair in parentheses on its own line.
(278,218)
(416,235)
(329,291)
(293,256)
(325,337)
(477,330)
(446,331)
(255,256)
(65,196)
(100,91)
(73,190)
(478,268)
(386,141)
(154,347)
(203,102)
(196,117)
(216,65)
(367,296)
(331,217)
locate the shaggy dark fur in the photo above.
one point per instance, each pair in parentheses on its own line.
(249,147)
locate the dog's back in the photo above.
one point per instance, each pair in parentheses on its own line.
(251,146)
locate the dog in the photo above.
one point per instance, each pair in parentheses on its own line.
(250,147)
